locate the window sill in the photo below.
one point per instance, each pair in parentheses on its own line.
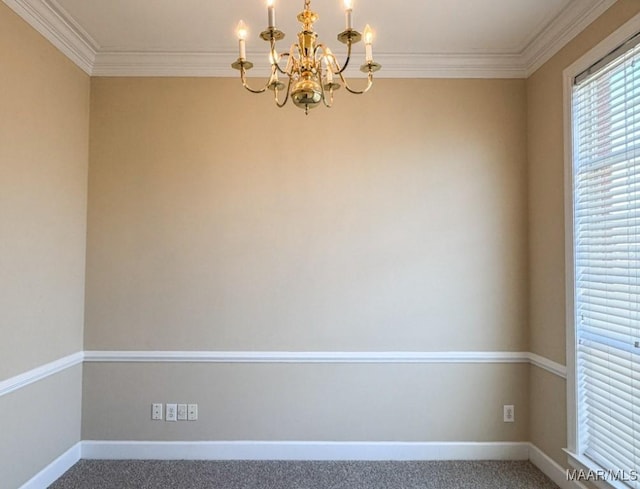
(600,477)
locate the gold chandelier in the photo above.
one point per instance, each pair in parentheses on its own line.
(311,67)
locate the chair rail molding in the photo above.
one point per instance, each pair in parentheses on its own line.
(340,357)
(43,371)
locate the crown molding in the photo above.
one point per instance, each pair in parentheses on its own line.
(163,64)
(576,16)
(395,65)
(56,25)
(468,65)
(50,19)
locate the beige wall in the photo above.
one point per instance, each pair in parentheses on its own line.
(394,221)
(38,424)
(308,402)
(548,413)
(546,221)
(43,194)
(426,215)
(43,184)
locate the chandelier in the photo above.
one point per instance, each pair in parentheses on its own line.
(312,70)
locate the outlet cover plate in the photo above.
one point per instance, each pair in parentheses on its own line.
(156,411)
(508,413)
(172,412)
(192,412)
(182,412)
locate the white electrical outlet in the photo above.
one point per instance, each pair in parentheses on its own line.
(508,413)
(182,412)
(156,411)
(192,412)
(172,412)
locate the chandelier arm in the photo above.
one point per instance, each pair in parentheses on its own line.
(327,53)
(243,77)
(346,61)
(273,56)
(324,96)
(286,97)
(291,57)
(277,65)
(358,92)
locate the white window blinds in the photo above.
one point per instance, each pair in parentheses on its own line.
(606,121)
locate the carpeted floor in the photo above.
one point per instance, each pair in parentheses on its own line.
(155,474)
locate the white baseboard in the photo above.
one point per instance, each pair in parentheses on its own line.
(552,469)
(299,450)
(55,469)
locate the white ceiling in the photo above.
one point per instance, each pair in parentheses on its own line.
(478,38)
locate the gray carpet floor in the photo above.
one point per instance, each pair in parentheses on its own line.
(156,474)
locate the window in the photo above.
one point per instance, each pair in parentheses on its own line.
(606,258)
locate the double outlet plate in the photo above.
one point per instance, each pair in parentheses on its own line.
(174,412)
(508,413)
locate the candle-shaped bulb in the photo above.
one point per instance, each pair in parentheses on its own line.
(368,40)
(368,34)
(271,11)
(241,31)
(348,13)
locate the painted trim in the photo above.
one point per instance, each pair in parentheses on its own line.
(58,26)
(548,365)
(604,47)
(55,469)
(261,450)
(582,463)
(552,469)
(417,65)
(22,380)
(39,373)
(569,262)
(52,21)
(327,357)
(303,450)
(575,18)
(305,357)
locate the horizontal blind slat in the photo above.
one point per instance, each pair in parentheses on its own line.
(606,213)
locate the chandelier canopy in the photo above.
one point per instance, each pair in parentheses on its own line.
(313,71)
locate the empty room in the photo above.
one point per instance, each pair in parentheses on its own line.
(324,244)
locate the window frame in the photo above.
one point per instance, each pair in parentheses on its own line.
(609,44)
